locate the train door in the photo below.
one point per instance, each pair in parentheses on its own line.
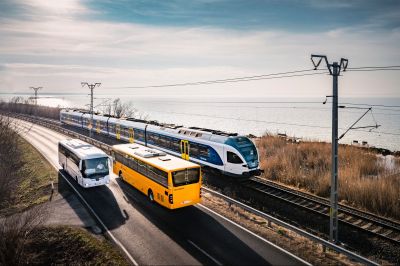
(185,149)
(233,162)
(118,131)
(90,126)
(98,126)
(131,139)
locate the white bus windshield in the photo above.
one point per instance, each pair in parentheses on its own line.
(95,168)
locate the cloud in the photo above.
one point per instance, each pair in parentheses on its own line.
(58,52)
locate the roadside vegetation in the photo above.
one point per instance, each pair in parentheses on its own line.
(26,106)
(70,246)
(34,178)
(116,108)
(367,180)
(25,187)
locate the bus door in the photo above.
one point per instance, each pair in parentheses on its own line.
(98,126)
(185,149)
(131,137)
(118,131)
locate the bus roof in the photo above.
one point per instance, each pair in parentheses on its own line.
(154,157)
(82,149)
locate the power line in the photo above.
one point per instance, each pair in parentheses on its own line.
(265,121)
(232,80)
(376,69)
(373,105)
(367,67)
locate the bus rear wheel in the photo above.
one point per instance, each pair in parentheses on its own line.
(150,195)
(120,175)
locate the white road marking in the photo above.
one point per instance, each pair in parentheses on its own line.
(250,232)
(205,253)
(93,212)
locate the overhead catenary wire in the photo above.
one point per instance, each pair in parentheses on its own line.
(231,80)
(267,122)
(368,67)
(262,77)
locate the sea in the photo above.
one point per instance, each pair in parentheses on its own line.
(303,118)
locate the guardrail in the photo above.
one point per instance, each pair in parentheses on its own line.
(325,244)
(299,231)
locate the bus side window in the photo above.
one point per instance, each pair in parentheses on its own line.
(142,168)
(133,163)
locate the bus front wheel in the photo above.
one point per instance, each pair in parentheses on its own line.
(150,195)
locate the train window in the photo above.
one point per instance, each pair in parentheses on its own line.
(111,128)
(164,141)
(203,151)
(233,158)
(198,135)
(139,134)
(176,145)
(193,133)
(194,150)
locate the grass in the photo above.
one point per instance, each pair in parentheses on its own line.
(364,181)
(35,185)
(70,246)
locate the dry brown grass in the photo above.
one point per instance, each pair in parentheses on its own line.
(364,181)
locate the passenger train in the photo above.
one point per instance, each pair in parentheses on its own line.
(227,152)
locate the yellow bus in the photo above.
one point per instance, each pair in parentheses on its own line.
(170,181)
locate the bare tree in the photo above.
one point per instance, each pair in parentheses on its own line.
(120,109)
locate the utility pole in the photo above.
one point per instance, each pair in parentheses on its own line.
(36,90)
(334,70)
(91,87)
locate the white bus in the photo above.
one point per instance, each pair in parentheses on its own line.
(88,165)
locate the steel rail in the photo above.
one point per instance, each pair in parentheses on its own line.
(361,220)
(297,230)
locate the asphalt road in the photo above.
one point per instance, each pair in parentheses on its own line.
(154,235)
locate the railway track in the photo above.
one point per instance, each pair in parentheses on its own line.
(365,221)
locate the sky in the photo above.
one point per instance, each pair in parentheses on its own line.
(128,43)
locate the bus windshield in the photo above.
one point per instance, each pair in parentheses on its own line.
(186,177)
(95,168)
